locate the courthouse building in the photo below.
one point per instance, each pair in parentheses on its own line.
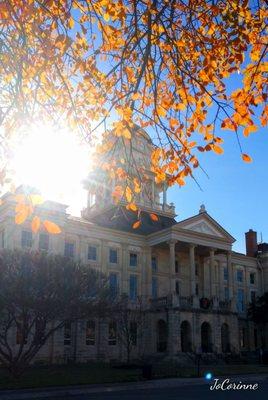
(195,288)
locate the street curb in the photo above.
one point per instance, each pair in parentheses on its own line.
(43,393)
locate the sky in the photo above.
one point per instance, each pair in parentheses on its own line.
(236,193)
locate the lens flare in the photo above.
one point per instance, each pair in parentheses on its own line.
(55,163)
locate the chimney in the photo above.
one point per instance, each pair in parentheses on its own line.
(251,243)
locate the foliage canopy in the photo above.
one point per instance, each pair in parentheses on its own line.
(114,64)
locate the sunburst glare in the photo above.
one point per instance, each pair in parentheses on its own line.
(54,162)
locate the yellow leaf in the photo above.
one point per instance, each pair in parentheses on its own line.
(161,111)
(128,194)
(36,224)
(106,17)
(154,217)
(246,158)
(36,199)
(136,224)
(135,96)
(51,227)
(132,207)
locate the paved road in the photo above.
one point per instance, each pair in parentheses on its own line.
(186,392)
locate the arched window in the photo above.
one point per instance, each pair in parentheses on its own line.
(67,332)
(133,328)
(206,338)
(112,333)
(90,333)
(225,338)
(186,340)
(162,335)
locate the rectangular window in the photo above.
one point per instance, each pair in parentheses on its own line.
(177,287)
(112,333)
(252,296)
(176,266)
(154,287)
(240,300)
(26,239)
(239,275)
(43,241)
(113,259)
(133,328)
(69,249)
(92,253)
(133,287)
(90,333)
(133,259)
(252,278)
(226,293)
(225,274)
(67,331)
(113,283)
(154,264)
(242,334)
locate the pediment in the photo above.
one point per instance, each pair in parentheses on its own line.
(203,227)
(204,224)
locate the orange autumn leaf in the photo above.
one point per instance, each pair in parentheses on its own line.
(217,149)
(51,227)
(36,222)
(154,217)
(22,215)
(246,158)
(136,224)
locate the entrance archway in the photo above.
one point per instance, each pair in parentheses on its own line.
(162,336)
(206,342)
(186,340)
(225,338)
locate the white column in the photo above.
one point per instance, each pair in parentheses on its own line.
(230,275)
(171,265)
(124,277)
(212,272)
(147,272)
(231,286)
(164,194)
(192,268)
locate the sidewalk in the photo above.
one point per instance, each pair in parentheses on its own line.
(43,393)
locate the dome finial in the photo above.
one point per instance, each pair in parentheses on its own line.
(202,209)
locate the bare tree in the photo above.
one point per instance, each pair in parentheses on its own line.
(38,294)
(131,323)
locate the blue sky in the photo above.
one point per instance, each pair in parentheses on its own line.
(236,193)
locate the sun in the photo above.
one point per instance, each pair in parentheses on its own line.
(54,162)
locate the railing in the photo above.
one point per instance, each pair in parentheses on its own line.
(185,302)
(161,302)
(225,305)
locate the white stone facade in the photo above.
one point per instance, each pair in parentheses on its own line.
(196,289)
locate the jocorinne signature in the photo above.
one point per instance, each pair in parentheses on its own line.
(227,385)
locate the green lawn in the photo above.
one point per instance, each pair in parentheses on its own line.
(60,375)
(93,373)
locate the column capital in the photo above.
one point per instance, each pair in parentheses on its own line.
(192,245)
(172,242)
(212,250)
